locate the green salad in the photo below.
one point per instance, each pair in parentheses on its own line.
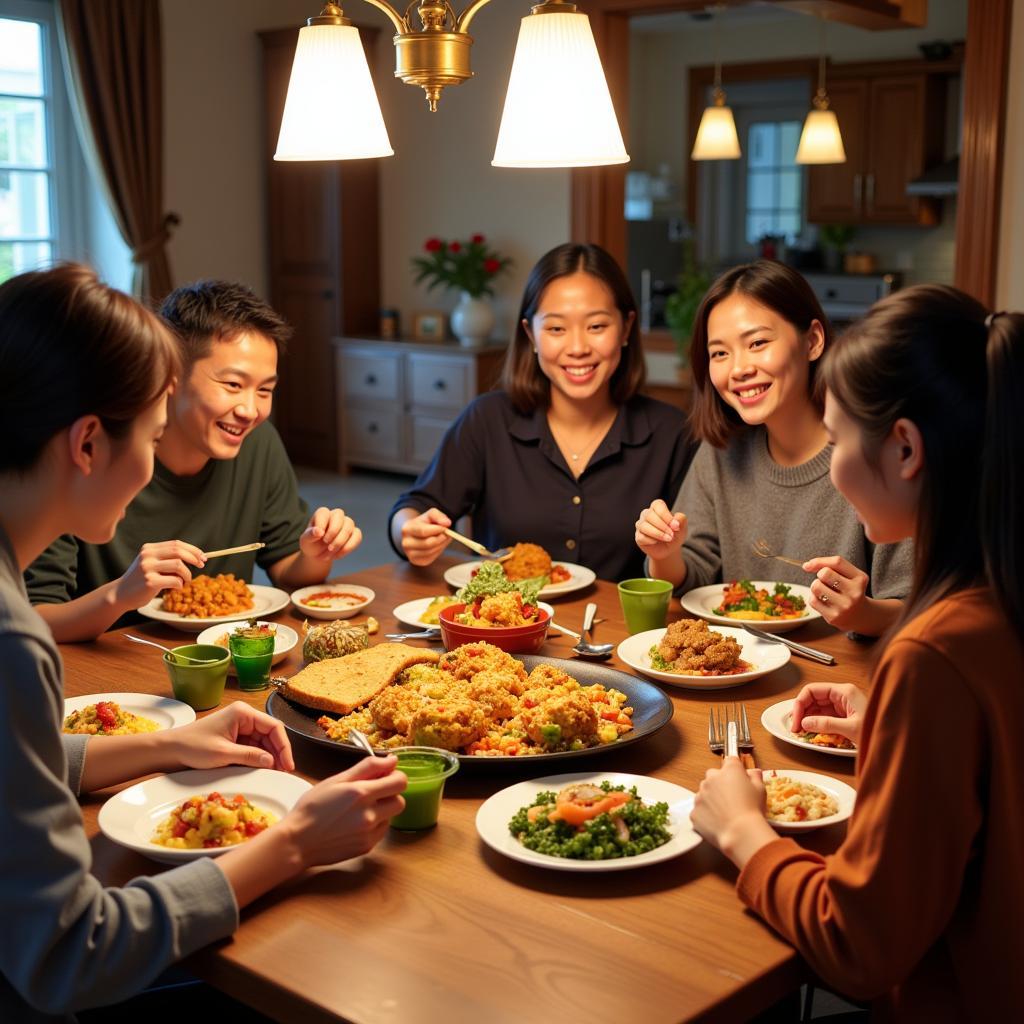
(490,579)
(588,822)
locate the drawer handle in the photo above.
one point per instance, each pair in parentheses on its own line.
(371,380)
(439,385)
(372,428)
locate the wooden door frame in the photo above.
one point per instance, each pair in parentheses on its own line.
(598,193)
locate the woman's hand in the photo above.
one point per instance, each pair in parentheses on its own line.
(160,566)
(330,534)
(237,734)
(840,595)
(659,531)
(829,707)
(347,814)
(728,811)
(423,537)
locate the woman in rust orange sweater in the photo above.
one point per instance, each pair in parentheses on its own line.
(920,909)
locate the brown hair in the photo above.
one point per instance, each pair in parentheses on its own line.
(930,354)
(207,311)
(521,377)
(783,291)
(70,346)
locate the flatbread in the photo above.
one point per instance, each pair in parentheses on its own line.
(340,685)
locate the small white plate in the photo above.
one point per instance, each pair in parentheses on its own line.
(410,612)
(266,601)
(580,576)
(702,600)
(299,598)
(497,811)
(762,654)
(167,713)
(845,797)
(285,638)
(131,817)
(776,720)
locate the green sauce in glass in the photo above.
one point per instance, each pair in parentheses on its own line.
(426,768)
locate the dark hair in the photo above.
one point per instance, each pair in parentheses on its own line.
(70,346)
(930,355)
(521,377)
(783,291)
(207,311)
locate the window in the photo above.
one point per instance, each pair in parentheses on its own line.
(774,181)
(27,189)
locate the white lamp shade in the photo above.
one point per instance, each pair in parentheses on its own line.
(820,141)
(558,111)
(331,112)
(716,136)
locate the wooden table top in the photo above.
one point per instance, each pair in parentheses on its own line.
(435,926)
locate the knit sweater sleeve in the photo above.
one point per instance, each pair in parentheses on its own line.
(865,917)
(697,498)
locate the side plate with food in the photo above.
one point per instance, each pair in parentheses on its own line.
(332,600)
(285,638)
(457,576)
(799,801)
(498,812)
(715,601)
(266,601)
(777,719)
(163,712)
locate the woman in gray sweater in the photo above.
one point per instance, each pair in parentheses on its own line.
(762,470)
(84,375)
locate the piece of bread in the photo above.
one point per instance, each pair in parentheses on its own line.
(340,685)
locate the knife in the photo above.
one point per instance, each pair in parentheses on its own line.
(807,652)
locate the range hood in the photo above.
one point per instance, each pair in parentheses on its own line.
(941,180)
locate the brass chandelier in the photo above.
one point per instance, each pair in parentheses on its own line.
(558,110)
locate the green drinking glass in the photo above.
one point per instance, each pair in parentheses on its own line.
(644,603)
(426,769)
(252,651)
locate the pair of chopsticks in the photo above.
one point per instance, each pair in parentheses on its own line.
(494,556)
(234,551)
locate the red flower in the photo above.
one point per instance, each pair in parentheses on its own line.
(433,245)
(455,247)
(477,239)
(491,266)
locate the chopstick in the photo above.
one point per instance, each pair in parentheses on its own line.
(234,551)
(471,544)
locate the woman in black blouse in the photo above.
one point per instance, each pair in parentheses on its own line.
(562,453)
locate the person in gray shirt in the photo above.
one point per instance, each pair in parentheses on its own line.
(762,471)
(84,376)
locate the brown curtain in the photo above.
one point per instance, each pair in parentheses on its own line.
(112,55)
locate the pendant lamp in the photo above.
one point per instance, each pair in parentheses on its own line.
(716,136)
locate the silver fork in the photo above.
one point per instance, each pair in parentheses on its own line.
(716,732)
(763,549)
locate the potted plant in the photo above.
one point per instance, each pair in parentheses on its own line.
(834,239)
(470,267)
(681,306)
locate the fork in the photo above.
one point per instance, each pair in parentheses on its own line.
(494,556)
(718,731)
(763,549)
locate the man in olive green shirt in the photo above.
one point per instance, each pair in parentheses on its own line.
(222,478)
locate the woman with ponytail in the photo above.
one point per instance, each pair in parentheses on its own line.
(920,907)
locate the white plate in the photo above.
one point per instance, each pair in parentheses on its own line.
(167,713)
(410,612)
(764,655)
(131,817)
(776,720)
(266,601)
(496,812)
(458,576)
(299,598)
(285,638)
(702,600)
(845,796)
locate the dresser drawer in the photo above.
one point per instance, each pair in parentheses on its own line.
(425,434)
(366,374)
(373,433)
(439,381)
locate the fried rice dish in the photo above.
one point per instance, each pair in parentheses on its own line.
(107,718)
(501,611)
(480,701)
(690,648)
(209,596)
(210,821)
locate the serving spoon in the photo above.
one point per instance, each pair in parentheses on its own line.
(583,648)
(173,654)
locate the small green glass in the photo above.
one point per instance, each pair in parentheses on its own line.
(252,651)
(426,769)
(644,603)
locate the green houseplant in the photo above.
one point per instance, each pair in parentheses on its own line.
(681,306)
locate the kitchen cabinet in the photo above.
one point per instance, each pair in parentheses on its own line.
(892,127)
(397,398)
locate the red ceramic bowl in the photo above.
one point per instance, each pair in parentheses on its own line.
(513,639)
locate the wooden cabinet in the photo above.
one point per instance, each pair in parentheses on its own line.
(397,398)
(323,244)
(892,127)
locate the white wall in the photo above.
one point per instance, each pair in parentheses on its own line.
(1010,282)
(440,181)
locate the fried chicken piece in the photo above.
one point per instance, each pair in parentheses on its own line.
(561,719)
(526,562)
(451,723)
(693,648)
(394,707)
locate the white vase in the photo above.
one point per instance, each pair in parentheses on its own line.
(472,320)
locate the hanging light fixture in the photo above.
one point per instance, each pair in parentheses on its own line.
(821,141)
(716,136)
(332,113)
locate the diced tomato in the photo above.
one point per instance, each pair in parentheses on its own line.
(529,702)
(600,697)
(210,844)
(254,828)
(800,814)
(610,715)
(179,830)
(106,714)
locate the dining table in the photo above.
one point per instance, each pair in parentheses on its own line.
(435,926)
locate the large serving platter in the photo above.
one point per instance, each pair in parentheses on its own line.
(652,709)
(266,601)
(580,576)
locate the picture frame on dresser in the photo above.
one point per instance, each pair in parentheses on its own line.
(431,325)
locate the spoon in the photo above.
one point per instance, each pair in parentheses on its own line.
(173,654)
(427,634)
(360,740)
(583,648)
